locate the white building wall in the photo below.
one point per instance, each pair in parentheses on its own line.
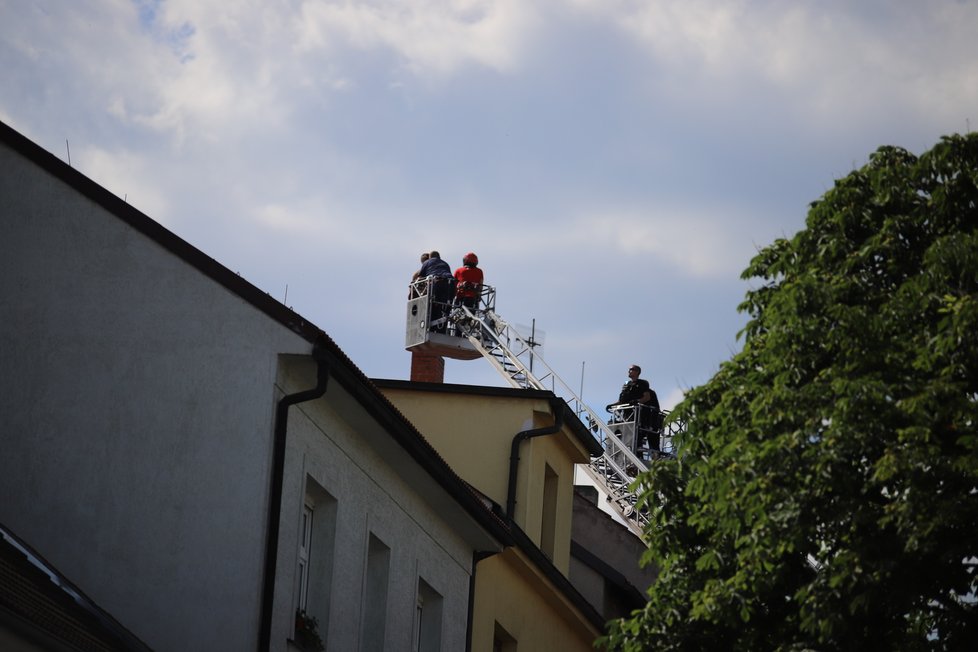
(137,404)
(372,496)
(137,400)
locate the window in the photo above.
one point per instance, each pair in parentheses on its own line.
(305,543)
(373,618)
(314,558)
(427,620)
(548,524)
(502,641)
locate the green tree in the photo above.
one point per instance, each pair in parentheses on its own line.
(825,494)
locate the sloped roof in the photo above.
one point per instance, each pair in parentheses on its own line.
(43,606)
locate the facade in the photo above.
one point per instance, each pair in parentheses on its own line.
(518,448)
(605,558)
(217,474)
(199,458)
(378,536)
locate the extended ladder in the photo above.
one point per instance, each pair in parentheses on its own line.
(512,355)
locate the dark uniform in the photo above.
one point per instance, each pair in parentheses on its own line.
(441,287)
(633,390)
(648,413)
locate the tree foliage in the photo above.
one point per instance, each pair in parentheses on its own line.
(825,494)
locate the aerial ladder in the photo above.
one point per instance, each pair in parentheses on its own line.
(462,332)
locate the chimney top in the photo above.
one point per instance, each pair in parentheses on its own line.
(427,368)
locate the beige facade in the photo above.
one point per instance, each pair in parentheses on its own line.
(522,595)
(514,600)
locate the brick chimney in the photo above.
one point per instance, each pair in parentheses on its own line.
(427,368)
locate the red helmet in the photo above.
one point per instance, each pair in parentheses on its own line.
(470,259)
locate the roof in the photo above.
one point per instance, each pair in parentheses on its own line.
(43,606)
(571,420)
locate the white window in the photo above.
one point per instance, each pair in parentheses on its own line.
(373,615)
(427,622)
(314,558)
(305,545)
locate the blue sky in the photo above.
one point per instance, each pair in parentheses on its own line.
(614,163)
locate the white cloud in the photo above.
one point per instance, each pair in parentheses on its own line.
(128,175)
(672,399)
(307,142)
(213,70)
(227,74)
(432,37)
(832,62)
(691,240)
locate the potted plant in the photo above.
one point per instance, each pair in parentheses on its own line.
(307,632)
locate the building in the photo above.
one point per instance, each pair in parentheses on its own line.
(518,448)
(176,442)
(215,472)
(604,558)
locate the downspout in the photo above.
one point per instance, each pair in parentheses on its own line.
(477,556)
(514,453)
(275,491)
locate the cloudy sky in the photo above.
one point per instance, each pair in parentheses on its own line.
(614,163)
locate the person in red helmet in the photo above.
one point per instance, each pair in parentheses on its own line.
(468,279)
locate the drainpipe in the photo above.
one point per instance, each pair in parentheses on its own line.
(275,490)
(514,454)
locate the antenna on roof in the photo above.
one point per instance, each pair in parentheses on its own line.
(286,299)
(533,341)
(67,147)
(582,378)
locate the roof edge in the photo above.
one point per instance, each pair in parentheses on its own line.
(571,420)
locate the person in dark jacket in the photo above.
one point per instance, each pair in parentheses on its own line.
(637,392)
(441,286)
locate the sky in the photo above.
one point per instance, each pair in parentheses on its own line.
(615,164)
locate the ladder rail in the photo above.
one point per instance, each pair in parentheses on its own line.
(494,362)
(608,439)
(558,386)
(617,466)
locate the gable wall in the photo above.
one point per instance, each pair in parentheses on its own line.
(137,398)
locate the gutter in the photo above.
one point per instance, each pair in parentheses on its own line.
(275,489)
(556,406)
